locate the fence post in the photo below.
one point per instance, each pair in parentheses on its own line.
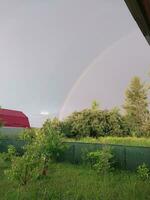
(73,153)
(125,159)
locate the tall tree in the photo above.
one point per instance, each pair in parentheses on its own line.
(136,104)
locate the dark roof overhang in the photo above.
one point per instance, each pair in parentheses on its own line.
(140,9)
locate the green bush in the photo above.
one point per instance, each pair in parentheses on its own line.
(52,141)
(143,172)
(101,160)
(95,123)
(29,134)
(23,169)
(43,147)
(7,156)
(55,124)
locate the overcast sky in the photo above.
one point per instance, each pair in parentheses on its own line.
(57,56)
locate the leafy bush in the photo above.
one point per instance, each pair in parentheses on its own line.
(101,160)
(143,172)
(10,153)
(23,169)
(43,147)
(52,141)
(29,134)
(55,124)
(7,156)
(81,124)
(94,123)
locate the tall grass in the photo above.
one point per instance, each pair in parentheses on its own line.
(71,182)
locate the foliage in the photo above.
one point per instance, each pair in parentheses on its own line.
(101,160)
(146,127)
(136,106)
(43,147)
(95,123)
(143,172)
(7,156)
(82,123)
(29,134)
(54,123)
(95,105)
(10,153)
(52,143)
(23,169)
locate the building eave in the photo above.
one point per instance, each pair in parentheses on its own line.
(140,10)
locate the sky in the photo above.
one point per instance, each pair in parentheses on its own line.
(58,56)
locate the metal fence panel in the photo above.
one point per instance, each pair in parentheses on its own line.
(119,153)
(125,157)
(136,156)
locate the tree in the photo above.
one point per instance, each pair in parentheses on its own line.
(95,105)
(136,105)
(94,122)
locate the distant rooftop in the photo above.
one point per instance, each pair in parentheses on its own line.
(12,112)
(14,118)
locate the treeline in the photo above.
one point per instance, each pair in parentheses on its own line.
(132,120)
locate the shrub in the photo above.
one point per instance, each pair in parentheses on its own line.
(55,124)
(45,147)
(29,134)
(81,124)
(6,157)
(23,169)
(10,153)
(94,123)
(101,160)
(143,172)
(52,141)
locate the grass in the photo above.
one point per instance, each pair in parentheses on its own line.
(129,141)
(72,182)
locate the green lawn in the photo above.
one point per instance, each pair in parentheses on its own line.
(129,141)
(71,182)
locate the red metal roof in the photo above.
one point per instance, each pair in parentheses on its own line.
(13,118)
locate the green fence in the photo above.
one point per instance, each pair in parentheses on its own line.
(17,143)
(10,132)
(125,157)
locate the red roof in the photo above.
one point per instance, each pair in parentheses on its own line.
(13,118)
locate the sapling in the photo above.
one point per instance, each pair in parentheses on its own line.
(42,147)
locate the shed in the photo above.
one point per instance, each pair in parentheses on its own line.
(14,118)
